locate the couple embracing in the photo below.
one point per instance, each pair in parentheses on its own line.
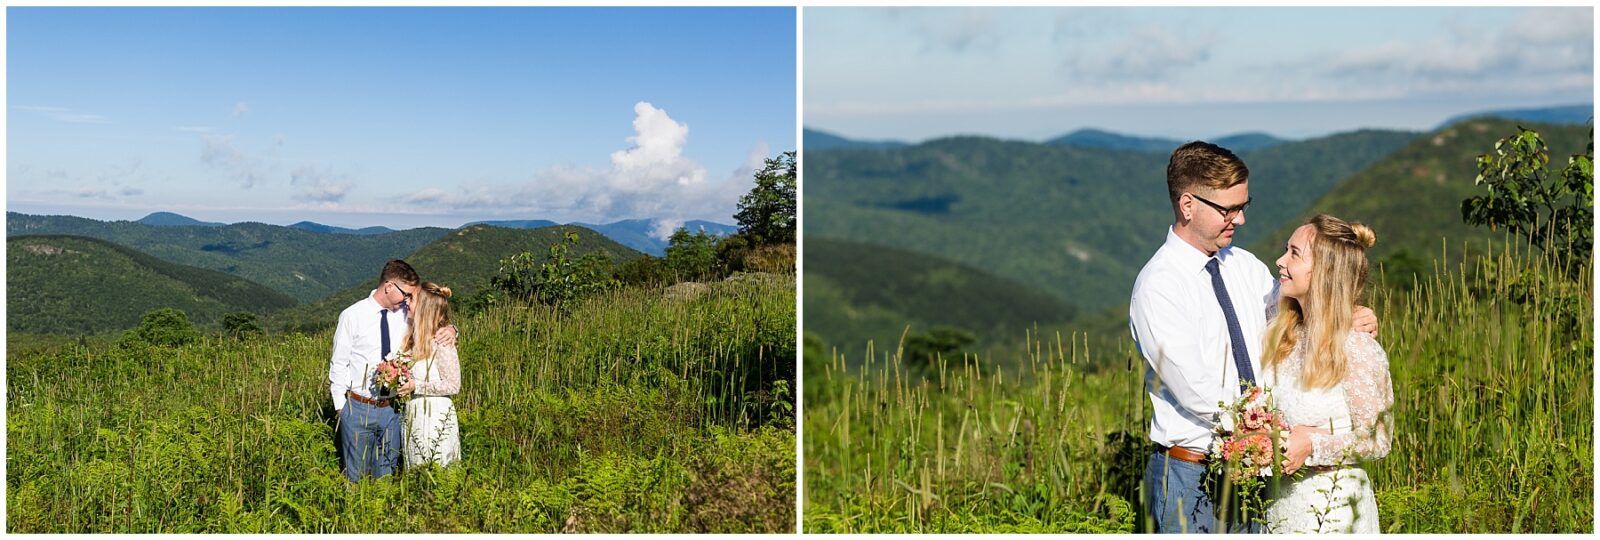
(1211,322)
(393,370)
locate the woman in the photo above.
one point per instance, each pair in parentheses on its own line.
(1332,384)
(432,433)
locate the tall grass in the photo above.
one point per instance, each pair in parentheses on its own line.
(1491,365)
(626,412)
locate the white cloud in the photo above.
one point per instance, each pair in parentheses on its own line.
(1148,53)
(241,109)
(70,116)
(651,178)
(953,30)
(219,152)
(1542,50)
(318,185)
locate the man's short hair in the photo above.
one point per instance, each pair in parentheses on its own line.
(398,270)
(1200,163)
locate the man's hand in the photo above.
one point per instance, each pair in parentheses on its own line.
(446,336)
(1364,320)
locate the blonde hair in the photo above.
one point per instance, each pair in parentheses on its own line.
(432,312)
(1202,164)
(1338,279)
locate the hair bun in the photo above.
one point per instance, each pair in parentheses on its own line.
(445,291)
(1364,234)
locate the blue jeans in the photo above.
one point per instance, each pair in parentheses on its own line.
(371,439)
(1175,494)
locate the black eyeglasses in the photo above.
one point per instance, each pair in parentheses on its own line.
(403,292)
(1227,213)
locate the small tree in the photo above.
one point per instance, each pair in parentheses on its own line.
(926,349)
(558,279)
(165,327)
(240,325)
(692,255)
(767,213)
(1554,213)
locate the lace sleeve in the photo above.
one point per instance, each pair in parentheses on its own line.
(1369,394)
(449,383)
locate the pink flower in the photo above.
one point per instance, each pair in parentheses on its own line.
(1256,419)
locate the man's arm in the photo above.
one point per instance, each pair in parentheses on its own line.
(339,364)
(1164,329)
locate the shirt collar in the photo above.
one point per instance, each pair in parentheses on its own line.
(374,302)
(1189,257)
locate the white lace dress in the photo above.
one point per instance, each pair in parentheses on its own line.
(432,432)
(1333,494)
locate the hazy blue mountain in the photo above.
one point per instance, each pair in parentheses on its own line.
(169,219)
(1567,114)
(822,140)
(516,223)
(1096,138)
(1248,141)
(639,234)
(318,227)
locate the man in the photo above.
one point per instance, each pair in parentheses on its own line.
(1199,309)
(369,330)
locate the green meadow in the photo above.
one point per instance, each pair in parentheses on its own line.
(1492,366)
(630,411)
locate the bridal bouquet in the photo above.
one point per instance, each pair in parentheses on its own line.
(394,373)
(1248,451)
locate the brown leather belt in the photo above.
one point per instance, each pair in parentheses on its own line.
(373,402)
(1184,454)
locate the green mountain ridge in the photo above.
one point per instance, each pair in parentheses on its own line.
(1412,199)
(848,302)
(305,265)
(1075,223)
(59,284)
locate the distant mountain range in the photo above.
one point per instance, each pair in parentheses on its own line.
(639,234)
(318,227)
(303,264)
(1570,114)
(821,140)
(1099,138)
(79,285)
(1072,222)
(176,220)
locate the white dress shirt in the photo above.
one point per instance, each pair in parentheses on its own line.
(357,347)
(1180,330)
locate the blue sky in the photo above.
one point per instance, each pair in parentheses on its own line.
(400,117)
(1036,73)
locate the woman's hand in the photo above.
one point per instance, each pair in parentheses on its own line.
(407,388)
(1300,446)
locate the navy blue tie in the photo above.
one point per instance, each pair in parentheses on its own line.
(383,329)
(1241,356)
